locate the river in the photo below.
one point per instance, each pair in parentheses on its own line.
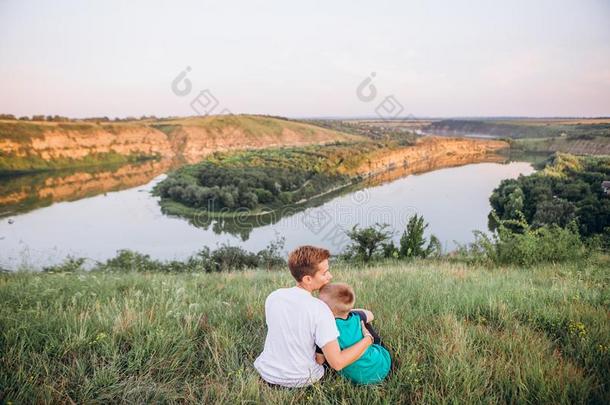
(95,213)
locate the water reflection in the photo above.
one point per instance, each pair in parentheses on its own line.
(242,222)
(24,193)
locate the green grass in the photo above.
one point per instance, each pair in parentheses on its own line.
(11,164)
(595,145)
(525,128)
(21,131)
(460,334)
(256,126)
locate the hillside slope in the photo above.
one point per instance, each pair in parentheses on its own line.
(458,333)
(34,145)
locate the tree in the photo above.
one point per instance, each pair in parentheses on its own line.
(367,241)
(248,200)
(226,198)
(413,241)
(554,211)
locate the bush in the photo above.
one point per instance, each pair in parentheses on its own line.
(228,258)
(271,256)
(71,264)
(128,260)
(390,251)
(366,242)
(548,243)
(413,241)
(225,258)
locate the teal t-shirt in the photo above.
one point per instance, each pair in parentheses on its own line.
(374,365)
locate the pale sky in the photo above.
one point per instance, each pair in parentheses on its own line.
(304,59)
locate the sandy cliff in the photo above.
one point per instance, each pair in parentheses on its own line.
(190,139)
(429,153)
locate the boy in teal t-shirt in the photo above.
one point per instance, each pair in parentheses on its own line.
(374,365)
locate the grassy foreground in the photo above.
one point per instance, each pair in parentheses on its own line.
(460,334)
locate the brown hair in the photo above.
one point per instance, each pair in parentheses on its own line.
(340,297)
(304,260)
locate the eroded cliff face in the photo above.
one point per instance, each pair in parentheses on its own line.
(55,143)
(188,139)
(193,139)
(429,153)
(194,143)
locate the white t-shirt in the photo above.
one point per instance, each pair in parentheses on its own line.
(296,322)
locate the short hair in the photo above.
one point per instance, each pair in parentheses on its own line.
(304,260)
(340,297)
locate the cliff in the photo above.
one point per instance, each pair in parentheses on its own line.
(428,153)
(32,145)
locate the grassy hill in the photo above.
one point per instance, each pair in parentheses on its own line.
(40,145)
(459,334)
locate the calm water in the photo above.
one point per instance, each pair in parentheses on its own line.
(454,201)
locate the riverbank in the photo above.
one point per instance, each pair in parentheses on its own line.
(458,333)
(255,183)
(29,146)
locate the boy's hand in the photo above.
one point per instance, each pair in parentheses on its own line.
(320,359)
(365,332)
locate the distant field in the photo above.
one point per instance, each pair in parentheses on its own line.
(524,128)
(558,121)
(587,146)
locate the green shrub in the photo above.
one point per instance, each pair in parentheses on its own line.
(367,242)
(70,264)
(527,247)
(224,258)
(128,260)
(271,256)
(413,241)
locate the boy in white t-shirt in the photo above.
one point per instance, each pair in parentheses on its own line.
(297,322)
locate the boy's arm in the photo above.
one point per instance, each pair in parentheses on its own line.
(369,314)
(338,359)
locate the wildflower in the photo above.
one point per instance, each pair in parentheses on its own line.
(577,329)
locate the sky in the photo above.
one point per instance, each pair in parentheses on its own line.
(305,59)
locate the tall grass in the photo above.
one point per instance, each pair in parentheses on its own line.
(458,333)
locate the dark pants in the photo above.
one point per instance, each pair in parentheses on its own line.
(373,332)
